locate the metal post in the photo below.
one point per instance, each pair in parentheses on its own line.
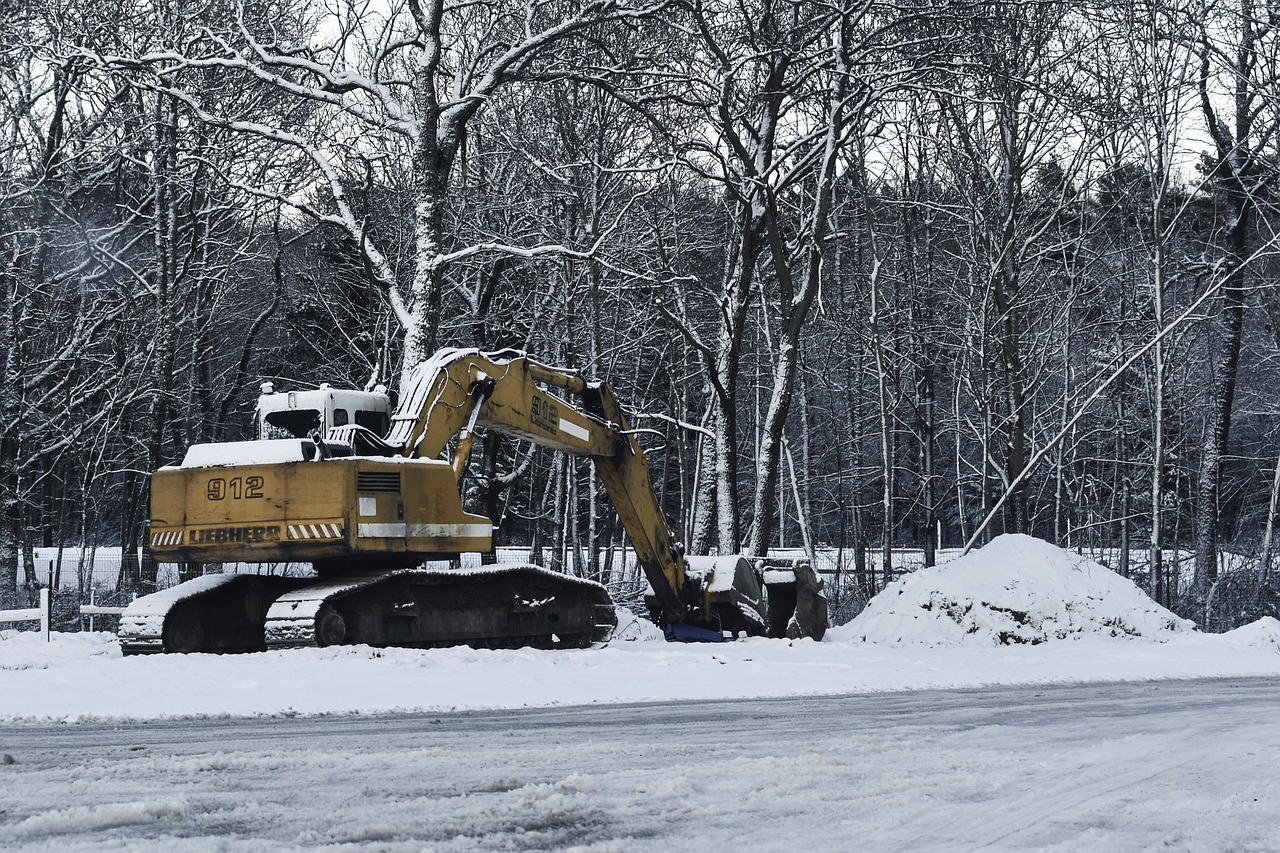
(46,612)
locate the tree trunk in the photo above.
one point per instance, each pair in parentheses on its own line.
(885,412)
(1268,535)
(1238,165)
(1218,432)
(1159,589)
(431,162)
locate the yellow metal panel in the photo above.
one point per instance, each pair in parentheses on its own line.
(289,511)
(434,517)
(304,511)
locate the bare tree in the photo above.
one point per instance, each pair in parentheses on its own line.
(383,91)
(1013,134)
(777,86)
(1239,54)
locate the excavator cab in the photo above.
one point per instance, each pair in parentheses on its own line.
(302,414)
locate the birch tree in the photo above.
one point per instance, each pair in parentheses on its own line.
(1148,88)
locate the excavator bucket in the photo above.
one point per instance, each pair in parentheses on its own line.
(732,589)
(753,597)
(797,605)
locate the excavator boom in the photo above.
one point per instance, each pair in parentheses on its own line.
(501,391)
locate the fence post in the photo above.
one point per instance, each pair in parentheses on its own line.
(46,612)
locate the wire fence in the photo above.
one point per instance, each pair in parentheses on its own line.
(100,576)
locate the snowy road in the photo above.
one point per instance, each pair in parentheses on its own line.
(1182,765)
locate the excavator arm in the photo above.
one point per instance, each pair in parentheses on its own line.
(457,390)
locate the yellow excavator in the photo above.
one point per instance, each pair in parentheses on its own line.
(363,494)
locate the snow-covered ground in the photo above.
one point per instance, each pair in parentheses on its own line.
(279,751)
(1019,611)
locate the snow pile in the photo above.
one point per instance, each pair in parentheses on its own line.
(1262,634)
(96,818)
(1017,590)
(632,628)
(25,650)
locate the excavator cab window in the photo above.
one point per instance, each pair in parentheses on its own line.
(293,423)
(376,422)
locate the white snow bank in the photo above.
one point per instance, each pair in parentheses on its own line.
(1016,590)
(1263,634)
(632,628)
(22,650)
(99,817)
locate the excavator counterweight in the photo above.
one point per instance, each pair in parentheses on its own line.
(367,499)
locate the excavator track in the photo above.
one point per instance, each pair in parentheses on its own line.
(489,607)
(213,613)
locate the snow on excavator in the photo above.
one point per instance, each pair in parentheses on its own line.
(367,501)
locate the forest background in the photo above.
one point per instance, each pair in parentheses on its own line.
(872,275)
